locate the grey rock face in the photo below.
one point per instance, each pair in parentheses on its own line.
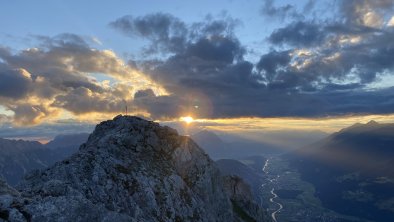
(130,169)
(10,203)
(240,195)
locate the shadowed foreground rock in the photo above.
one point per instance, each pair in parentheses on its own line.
(130,169)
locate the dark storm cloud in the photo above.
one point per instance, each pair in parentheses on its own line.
(205,59)
(299,33)
(51,63)
(216,49)
(81,100)
(161,107)
(338,87)
(364,59)
(14,83)
(320,68)
(272,62)
(312,33)
(147,93)
(169,34)
(164,30)
(363,101)
(354,44)
(194,77)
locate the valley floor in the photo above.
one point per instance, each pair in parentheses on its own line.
(292,199)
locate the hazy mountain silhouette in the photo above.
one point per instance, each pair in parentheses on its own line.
(17,157)
(249,174)
(65,145)
(238,148)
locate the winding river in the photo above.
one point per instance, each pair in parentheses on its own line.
(273,214)
(274,195)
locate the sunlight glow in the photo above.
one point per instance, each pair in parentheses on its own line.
(187,119)
(257,124)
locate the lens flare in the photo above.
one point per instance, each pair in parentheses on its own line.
(187,119)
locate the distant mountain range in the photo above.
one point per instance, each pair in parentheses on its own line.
(17,157)
(352,170)
(219,149)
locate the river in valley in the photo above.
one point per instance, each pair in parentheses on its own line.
(271,182)
(288,197)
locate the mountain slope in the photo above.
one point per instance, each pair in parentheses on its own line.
(352,170)
(219,149)
(132,170)
(18,157)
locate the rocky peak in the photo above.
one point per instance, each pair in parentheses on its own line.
(372,123)
(133,134)
(359,127)
(130,169)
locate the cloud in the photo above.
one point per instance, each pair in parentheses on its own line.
(298,33)
(272,62)
(365,13)
(218,48)
(38,84)
(161,107)
(45,131)
(168,34)
(14,83)
(82,100)
(214,26)
(315,68)
(164,30)
(343,50)
(282,12)
(28,114)
(4,119)
(144,94)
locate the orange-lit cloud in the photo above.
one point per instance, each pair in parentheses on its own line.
(68,76)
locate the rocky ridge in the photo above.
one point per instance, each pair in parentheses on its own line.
(131,169)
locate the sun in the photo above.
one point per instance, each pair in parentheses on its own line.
(187,119)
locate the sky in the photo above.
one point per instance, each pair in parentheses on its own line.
(280,65)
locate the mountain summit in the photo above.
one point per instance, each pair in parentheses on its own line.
(131,169)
